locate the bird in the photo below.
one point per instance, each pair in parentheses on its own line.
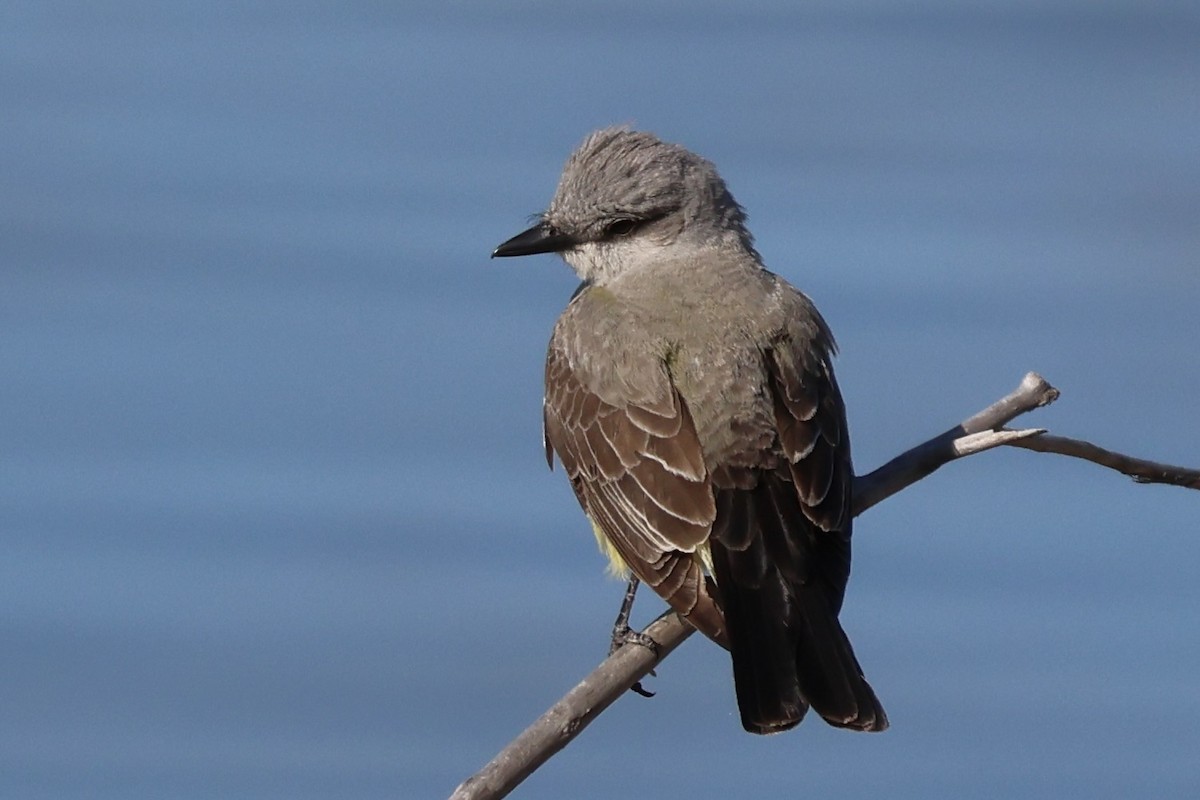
(691,400)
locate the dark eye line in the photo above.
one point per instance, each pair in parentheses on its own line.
(622,226)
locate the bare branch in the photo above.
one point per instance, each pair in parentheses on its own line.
(570,715)
(983,431)
(921,461)
(974,443)
(1136,468)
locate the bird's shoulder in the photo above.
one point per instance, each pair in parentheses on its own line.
(607,347)
(794,316)
(639,330)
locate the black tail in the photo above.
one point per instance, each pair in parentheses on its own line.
(780,581)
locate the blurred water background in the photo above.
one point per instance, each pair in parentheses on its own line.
(274,518)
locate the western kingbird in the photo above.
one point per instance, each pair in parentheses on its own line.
(691,400)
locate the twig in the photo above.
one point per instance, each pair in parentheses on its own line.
(985,430)
(1136,468)
(907,468)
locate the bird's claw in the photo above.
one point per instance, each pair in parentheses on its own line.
(627,635)
(623,634)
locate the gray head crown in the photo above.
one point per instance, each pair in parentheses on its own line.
(624,196)
(619,174)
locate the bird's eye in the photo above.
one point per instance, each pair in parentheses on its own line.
(620,227)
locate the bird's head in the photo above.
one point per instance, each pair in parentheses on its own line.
(625,196)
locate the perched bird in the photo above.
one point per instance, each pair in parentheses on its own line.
(691,399)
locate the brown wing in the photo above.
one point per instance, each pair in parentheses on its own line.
(811,419)
(638,471)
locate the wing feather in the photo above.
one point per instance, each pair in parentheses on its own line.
(638,470)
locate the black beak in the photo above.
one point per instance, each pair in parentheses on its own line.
(541,238)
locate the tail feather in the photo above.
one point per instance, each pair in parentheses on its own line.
(828,672)
(764,659)
(789,649)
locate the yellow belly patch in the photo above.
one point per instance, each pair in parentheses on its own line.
(617,568)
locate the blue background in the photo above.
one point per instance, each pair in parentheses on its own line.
(274,519)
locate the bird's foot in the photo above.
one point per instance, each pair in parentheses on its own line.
(623,634)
